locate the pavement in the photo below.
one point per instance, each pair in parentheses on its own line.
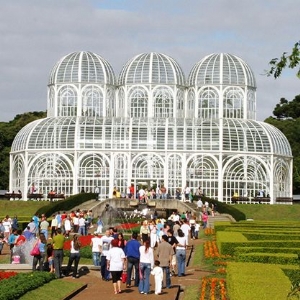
(94,287)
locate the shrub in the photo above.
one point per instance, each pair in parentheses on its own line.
(16,286)
(65,205)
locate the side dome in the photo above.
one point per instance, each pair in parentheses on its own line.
(82,67)
(221,69)
(153,68)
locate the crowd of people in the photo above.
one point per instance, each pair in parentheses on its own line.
(159,249)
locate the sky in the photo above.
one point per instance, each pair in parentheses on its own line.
(35,34)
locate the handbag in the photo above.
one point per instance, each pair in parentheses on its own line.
(35,250)
(124,277)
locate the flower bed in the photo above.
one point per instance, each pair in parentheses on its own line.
(213,289)
(86,239)
(6,275)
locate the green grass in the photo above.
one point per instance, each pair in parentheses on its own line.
(62,289)
(20,208)
(191,292)
(265,212)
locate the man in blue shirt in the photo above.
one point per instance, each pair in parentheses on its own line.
(132,253)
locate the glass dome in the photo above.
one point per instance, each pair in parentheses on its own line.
(82,67)
(221,69)
(152,128)
(154,68)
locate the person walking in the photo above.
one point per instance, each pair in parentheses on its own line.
(58,252)
(181,253)
(74,256)
(40,258)
(116,264)
(44,225)
(105,244)
(164,254)
(158,277)
(95,244)
(133,258)
(146,264)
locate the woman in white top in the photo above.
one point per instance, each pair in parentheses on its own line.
(181,253)
(116,264)
(153,234)
(146,264)
(74,256)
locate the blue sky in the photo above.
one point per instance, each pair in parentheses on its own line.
(35,34)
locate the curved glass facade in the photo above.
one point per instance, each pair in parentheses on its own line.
(152,128)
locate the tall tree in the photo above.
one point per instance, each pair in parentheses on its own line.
(287,120)
(286,60)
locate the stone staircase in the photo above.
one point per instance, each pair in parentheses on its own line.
(219,218)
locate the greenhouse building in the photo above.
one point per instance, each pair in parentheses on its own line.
(152,127)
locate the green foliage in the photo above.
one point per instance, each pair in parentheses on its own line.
(248,281)
(65,205)
(285,61)
(14,287)
(269,258)
(8,131)
(62,288)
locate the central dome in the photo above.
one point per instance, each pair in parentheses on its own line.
(82,67)
(153,68)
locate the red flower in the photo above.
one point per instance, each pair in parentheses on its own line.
(6,275)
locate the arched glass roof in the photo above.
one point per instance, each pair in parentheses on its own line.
(83,67)
(253,136)
(152,67)
(222,68)
(244,136)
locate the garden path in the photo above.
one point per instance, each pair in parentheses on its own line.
(97,288)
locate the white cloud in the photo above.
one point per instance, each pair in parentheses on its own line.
(35,34)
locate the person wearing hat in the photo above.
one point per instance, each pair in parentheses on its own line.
(95,244)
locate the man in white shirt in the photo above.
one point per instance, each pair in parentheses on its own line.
(95,244)
(105,242)
(200,204)
(185,227)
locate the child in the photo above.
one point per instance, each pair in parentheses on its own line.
(158,276)
(50,257)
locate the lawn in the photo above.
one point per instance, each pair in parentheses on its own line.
(20,208)
(266,212)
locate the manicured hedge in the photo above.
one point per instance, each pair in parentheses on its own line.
(271,236)
(269,258)
(15,287)
(228,241)
(65,205)
(243,250)
(248,281)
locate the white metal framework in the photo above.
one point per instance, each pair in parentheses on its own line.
(152,127)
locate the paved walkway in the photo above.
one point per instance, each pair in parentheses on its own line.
(97,288)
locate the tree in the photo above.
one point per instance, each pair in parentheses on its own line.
(8,131)
(287,109)
(285,61)
(288,122)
